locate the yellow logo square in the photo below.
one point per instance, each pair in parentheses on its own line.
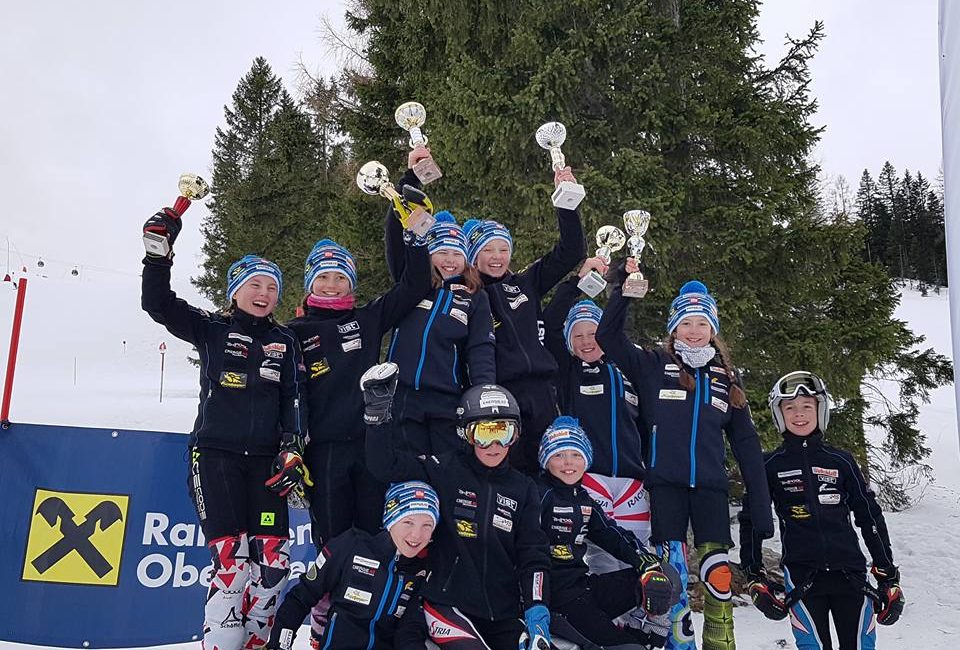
(267,518)
(76,538)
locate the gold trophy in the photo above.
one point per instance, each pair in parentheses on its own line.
(192,188)
(410,117)
(550,136)
(636,223)
(413,210)
(610,239)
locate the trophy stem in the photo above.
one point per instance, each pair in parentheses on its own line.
(559,162)
(417,138)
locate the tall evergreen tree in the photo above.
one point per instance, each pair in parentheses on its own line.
(669,109)
(265,173)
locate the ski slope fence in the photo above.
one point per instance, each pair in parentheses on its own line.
(99,540)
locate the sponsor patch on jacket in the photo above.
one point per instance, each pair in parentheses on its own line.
(275,347)
(586,511)
(538,585)
(507,502)
(233,379)
(668,393)
(425,304)
(670,366)
(563,510)
(502,523)
(459,314)
(510,288)
(827,479)
(790,472)
(631,398)
(365,561)
(799,512)
(821,471)
(270,374)
(240,337)
(311,343)
(590,370)
(319,368)
(466,528)
(364,571)
(579,539)
(561,552)
(459,287)
(718,403)
(358,596)
(719,369)
(349,346)
(346,328)
(829,499)
(596,389)
(516,302)
(236,353)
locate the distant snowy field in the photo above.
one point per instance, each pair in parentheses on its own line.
(89,357)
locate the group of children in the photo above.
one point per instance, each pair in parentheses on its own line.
(552,466)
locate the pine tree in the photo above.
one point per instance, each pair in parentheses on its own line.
(265,174)
(874,219)
(668,108)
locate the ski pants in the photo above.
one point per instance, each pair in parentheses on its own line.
(451,629)
(246,527)
(624,501)
(426,421)
(537,399)
(835,595)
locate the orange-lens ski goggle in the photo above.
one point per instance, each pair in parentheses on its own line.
(486,432)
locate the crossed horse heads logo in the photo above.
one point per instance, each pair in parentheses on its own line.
(68,536)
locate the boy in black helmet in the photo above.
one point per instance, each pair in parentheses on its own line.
(814,488)
(490,557)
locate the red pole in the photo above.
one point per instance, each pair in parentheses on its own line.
(12,357)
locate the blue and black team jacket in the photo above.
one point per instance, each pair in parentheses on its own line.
(370,585)
(249,369)
(340,345)
(515,303)
(446,343)
(815,488)
(598,394)
(569,517)
(686,427)
(489,556)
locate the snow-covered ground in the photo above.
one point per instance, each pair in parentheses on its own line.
(89,357)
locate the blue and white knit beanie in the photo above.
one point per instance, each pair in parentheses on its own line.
(694,300)
(410,498)
(585,311)
(328,255)
(446,235)
(481,232)
(250,266)
(565,433)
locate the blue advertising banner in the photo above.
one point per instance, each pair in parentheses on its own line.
(99,539)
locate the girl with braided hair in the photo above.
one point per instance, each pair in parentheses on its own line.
(690,397)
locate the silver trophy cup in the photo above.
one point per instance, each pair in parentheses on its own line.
(550,136)
(374,179)
(610,239)
(636,222)
(410,117)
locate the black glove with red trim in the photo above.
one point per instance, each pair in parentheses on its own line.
(892,600)
(767,596)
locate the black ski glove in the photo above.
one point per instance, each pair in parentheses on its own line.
(379,384)
(160,232)
(288,467)
(767,596)
(892,600)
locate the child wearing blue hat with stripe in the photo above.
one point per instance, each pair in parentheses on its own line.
(246,443)
(444,345)
(524,366)
(372,579)
(593,389)
(585,600)
(690,397)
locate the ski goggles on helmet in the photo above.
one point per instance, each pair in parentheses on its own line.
(798,383)
(484,433)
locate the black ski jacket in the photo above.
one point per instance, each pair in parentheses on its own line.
(250,376)
(489,555)
(340,345)
(686,428)
(814,488)
(515,303)
(370,586)
(569,517)
(598,394)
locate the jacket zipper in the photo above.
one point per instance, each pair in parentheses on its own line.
(446,583)
(693,430)
(485,524)
(613,419)
(456,382)
(653,447)
(426,335)
(383,599)
(814,499)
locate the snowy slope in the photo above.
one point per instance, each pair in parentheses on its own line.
(82,322)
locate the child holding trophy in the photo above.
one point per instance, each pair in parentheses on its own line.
(246,443)
(340,340)
(524,366)
(446,344)
(689,397)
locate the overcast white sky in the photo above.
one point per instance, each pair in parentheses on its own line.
(105,103)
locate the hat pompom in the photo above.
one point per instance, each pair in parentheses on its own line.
(445,216)
(470,225)
(694,286)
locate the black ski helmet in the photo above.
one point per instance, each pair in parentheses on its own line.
(486,402)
